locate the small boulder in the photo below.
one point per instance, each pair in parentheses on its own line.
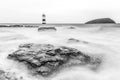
(47,29)
(71,27)
(73,40)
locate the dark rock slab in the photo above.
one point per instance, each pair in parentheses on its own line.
(47,29)
(45,59)
(101,21)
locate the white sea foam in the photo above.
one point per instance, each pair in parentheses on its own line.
(102,43)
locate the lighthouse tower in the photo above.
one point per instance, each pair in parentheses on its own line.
(43,19)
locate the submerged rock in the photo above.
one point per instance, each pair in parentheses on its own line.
(101,21)
(45,59)
(71,27)
(47,29)
(73,40)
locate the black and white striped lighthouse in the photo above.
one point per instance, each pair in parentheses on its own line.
(43,19)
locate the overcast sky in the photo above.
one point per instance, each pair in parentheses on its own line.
(58,11)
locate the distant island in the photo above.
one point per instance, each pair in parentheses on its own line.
(101,21)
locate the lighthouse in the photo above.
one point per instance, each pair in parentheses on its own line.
(43,19)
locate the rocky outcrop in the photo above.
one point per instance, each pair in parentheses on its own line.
(101,21)
(47,29)
(45,59)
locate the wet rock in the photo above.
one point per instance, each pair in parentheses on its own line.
(73,40)
(101,21)
(45,59)
(71,27)
(8,76)
(47,29)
